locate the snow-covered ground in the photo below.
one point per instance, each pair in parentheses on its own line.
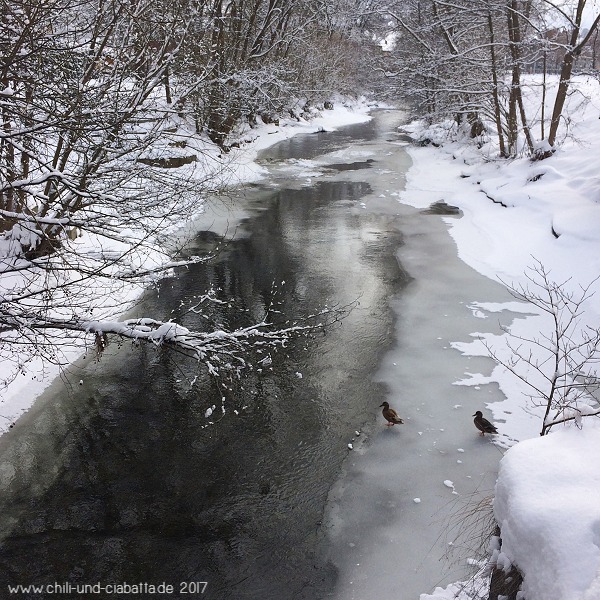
(548,213)
(240,167)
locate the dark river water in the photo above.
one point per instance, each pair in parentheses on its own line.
(118,476)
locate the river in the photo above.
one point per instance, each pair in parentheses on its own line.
(118,475)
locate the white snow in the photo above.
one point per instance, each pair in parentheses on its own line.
(548,506)
(548,489)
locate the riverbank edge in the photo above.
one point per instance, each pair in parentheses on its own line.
(516,212)
(491,581)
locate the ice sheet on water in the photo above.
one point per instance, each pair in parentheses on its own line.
(375,518)
(297,167)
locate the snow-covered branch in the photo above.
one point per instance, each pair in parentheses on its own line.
(222,352)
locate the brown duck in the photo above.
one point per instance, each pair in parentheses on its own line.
(390,415)
(483,424)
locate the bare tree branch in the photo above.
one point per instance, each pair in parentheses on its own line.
(563,359)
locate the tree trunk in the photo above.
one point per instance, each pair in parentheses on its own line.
(561,95)
(544,88)
(516,96)
(495,93)
(567,69)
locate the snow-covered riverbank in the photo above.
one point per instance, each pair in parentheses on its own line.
(516,214)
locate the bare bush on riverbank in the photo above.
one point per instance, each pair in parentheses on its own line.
(467,532)
(559,366)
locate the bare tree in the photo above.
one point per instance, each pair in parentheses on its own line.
(467,60)
(451,61)
(573,49)
(559,366)
(517,13)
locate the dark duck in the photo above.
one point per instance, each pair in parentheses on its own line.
(390,415)
(483,424)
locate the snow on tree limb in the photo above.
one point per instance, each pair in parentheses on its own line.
(224,353)
(95,98)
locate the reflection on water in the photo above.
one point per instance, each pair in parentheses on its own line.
(119,478)
(317,144)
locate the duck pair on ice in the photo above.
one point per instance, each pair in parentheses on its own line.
(392,417)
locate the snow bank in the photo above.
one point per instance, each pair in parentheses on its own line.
(548,491)
(515,213)
(246,170)
(548,507)
(464,590)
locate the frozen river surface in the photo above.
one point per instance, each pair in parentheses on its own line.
(398,518)
(119,479)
